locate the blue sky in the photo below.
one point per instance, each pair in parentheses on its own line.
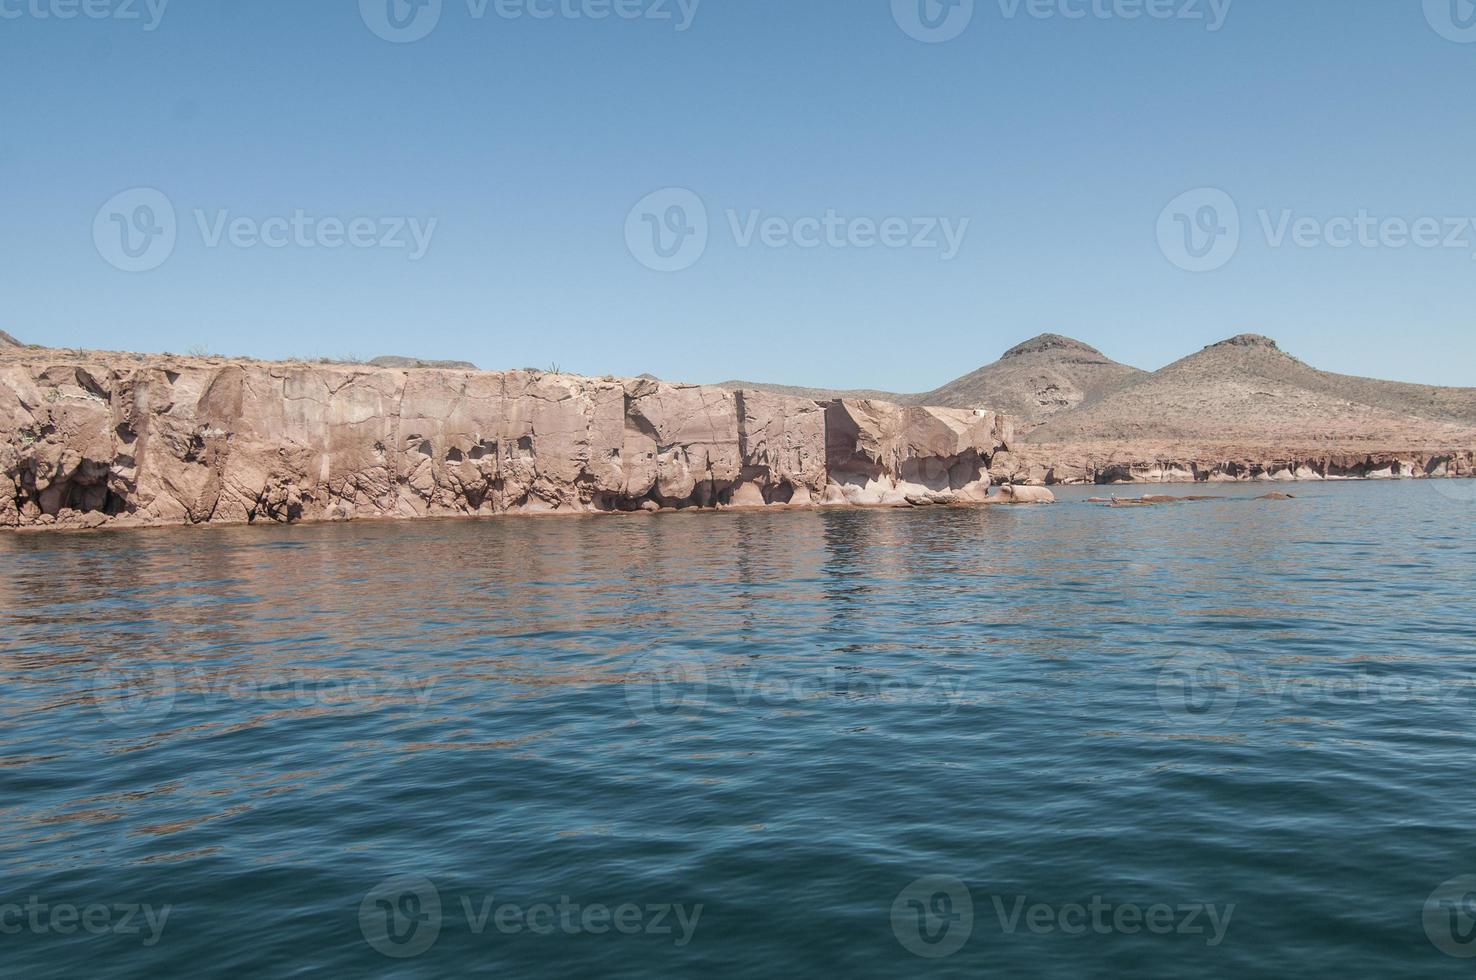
(1049,143)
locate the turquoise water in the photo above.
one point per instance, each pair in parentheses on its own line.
(1226,738)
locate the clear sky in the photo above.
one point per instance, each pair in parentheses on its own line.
(523,149)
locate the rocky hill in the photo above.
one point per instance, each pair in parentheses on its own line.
(1032,382)
(1248,390)
(1037,380)
(6,340)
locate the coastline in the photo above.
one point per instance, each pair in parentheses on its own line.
(1156,462)
(103,439)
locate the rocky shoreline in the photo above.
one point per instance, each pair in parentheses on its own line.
(1104,464)
(101,439)
(94,439)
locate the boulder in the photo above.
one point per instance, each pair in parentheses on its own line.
(1023,495)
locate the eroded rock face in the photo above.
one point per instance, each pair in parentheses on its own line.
(94,438)
(879,453)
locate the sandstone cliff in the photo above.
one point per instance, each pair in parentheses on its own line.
(89,438)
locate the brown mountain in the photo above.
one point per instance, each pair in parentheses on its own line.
(1032,381)
(1247,389)
(6,340)
(1037,380)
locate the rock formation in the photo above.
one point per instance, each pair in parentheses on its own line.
(1037,380)
(92,439)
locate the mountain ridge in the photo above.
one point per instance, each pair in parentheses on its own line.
(1033,380)
(1247,388)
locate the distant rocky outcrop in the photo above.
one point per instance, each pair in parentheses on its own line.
(88,439)
(821,394)
(391,361)
(6,340)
